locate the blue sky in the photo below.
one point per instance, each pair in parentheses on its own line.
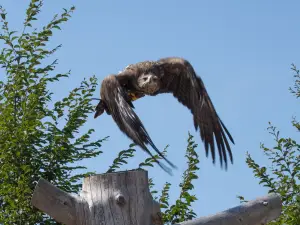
(242,50)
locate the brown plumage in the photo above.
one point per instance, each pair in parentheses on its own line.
(167,75)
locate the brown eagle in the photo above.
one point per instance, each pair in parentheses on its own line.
(168,75)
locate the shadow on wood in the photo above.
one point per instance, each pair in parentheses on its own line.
(124,198)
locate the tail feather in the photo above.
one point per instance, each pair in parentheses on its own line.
(99,109)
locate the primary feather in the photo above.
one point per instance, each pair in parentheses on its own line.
(180,79)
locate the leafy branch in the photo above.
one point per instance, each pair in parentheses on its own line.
(122,158)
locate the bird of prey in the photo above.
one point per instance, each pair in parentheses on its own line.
(167,75)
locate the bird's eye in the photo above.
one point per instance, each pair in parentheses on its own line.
(145,78)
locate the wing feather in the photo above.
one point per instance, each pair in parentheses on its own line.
(180,79)
(121,109)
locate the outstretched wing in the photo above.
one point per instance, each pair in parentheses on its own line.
(120,108)
(180,79)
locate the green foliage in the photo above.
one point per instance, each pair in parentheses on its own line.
(283,175)
(150,161)
(182,209)
(164,197)
(121,158)
(295,90)
(37,140)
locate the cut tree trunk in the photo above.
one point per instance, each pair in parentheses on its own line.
(111,198)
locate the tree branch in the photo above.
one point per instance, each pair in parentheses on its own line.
(257,212)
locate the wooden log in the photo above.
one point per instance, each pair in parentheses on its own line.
(111,198)
(55,202)
(257,212)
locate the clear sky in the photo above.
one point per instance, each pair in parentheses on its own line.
(242,50)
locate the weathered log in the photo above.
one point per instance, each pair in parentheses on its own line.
(257,212)
(111,198)
(124,198)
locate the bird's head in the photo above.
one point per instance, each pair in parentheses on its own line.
(149,82)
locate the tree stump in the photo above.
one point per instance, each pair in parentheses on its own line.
(111,198)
